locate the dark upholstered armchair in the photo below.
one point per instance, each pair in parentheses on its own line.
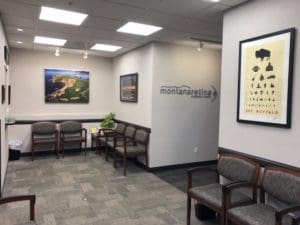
(234,168)
(44,133)
(30,198)
(131,147)
(72,132)
(106,137)
(280,183)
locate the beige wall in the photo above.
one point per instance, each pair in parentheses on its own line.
(28,85)
(138,61)
(250,20)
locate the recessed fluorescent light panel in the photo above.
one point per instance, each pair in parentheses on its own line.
(62,16)
(106,48)
(49,41)
(138,29)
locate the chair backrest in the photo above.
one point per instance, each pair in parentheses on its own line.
(41,128)
(283,184)
(141,139)
(120,128)
(70,127)
(130,131)
(238,168)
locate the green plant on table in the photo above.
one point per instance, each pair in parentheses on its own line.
(108,121)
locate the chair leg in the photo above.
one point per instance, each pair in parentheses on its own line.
(85,149)
(32,152)
(63,149)
(188,210)
(115,159)
(106,152)
(125,165)
(56,150)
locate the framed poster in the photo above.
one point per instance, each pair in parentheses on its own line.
(66,86)
(129,88)
(265,79)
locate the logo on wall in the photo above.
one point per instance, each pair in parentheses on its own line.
(187,90)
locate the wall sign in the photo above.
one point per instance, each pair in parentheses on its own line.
(265,79)
(182,90)
(66,86)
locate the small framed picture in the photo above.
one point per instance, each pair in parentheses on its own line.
(129,88)
(266,78)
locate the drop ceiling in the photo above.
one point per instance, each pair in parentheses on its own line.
(180,19)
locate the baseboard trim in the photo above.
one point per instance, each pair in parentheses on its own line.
(52,152)
(261,161)
(176,166)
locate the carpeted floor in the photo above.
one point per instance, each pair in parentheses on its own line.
(80,190)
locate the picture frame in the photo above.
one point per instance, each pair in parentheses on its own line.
(66,86)
(265,79)
(3,94)
(129,88)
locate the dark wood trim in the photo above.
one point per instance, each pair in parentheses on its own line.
(261,161)
(134,125)
(20,122)
(177,166)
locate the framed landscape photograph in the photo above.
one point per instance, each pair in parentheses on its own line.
(66,86)
(129,88)
(265,79)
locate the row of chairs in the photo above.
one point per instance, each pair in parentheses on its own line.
(123,142)
(68,132)
(236,206)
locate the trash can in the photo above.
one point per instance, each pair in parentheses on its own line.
(15,147)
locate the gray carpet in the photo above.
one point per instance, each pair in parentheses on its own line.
(80,190)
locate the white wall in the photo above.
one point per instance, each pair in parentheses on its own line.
(178,123)
(138,61)
(250,20)
(3,108)
(181,123)
(28,85)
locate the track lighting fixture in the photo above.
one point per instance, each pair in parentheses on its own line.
(85,55)
(57,52)
(200,46)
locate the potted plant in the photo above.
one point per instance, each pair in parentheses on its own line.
(108,121)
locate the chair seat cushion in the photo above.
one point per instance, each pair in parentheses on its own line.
(257,214)
(212,194)
(74,138)
(131,149)
(44,140)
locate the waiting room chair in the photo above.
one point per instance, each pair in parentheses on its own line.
(44,133)
(72,132)
(30,198)
(106,137)
(132,147)
(283,185)
(233,168)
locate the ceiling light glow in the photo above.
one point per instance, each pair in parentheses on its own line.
(106,48)
(49,41)
(138,29)
(62,16)
(20,42)
(20,29)
(85,55)
(57,52)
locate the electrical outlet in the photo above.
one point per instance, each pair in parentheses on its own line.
(195,149)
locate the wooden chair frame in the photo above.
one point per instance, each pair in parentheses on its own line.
(34,144)
(63,141)
(226,203)
(125,155)
(262,198)
(30,198)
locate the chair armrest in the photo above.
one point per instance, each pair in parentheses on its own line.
(289,209)
(228,188)
(30,198)
(190,173)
